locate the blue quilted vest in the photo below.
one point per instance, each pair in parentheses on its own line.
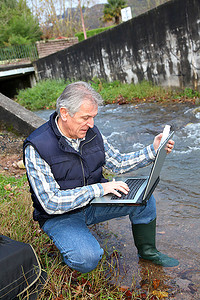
(70,168)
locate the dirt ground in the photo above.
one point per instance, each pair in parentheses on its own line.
(11,146)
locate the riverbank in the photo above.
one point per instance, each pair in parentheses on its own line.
(11,144)
(44,94)
(164,100)
(11,153)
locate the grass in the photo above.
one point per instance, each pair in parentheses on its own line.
(16,218)
(62,282)
(46,92)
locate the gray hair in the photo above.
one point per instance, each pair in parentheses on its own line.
(73,96)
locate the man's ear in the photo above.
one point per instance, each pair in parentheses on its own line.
(63,113)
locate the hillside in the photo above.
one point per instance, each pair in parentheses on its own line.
(94,14)
(139,7)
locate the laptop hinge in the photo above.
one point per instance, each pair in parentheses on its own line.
(144,201)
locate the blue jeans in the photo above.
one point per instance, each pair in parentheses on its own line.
(79,248)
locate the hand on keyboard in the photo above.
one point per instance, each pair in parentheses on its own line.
(114,187)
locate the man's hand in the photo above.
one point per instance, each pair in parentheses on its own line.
(156,143)
(115,186)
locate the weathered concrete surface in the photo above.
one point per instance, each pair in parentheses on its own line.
(17,118)
(162,46)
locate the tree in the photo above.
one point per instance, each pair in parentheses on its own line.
(57,17)
(112,10)
(8,3)
(82,20)
(17,24)
(61,17)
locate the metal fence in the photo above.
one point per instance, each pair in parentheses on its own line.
(18,52)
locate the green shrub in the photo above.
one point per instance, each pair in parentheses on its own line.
(18,25)
(92,32)
(43,95)
(46,92)
(111,91)
(190,93)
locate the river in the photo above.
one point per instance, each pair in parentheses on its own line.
(129,128)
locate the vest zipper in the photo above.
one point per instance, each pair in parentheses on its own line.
(86,143)
(84,179)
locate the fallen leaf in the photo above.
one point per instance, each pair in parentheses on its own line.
(126,291)
(8,187)
(143,296)
(123,288)
(161,232)
(128,294)
(59,297)
(20,164)
(160,294)
(156,283)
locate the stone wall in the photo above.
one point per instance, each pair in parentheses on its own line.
(162,45)
(48,47)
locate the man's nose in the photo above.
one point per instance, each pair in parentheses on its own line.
(90,122)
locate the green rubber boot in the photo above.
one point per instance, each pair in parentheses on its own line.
(145,242)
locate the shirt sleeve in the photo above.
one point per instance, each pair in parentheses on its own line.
(51,197)
(121,163)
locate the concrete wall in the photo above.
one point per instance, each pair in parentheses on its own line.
(162,45)
(16,116)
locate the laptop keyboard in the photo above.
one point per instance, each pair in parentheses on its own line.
(134,185)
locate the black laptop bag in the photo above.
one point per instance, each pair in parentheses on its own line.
(21,276)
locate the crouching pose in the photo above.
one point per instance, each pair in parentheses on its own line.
(64,159)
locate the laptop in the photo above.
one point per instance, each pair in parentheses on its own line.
(141,188)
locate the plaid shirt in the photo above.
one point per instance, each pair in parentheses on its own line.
(57,201)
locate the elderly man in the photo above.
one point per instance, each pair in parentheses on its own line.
(64,159)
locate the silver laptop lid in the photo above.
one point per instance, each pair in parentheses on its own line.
(157,166)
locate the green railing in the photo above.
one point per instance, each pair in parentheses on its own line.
(18,52)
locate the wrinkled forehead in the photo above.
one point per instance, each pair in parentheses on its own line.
(90,100)
(90,104)
(88,109)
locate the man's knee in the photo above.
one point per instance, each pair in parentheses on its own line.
(144,214)
(84,262)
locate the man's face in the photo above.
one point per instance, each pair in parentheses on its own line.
(78,125)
